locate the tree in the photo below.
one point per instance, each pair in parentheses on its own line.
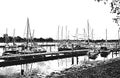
(115,9)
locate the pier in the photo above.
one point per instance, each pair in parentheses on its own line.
(44,45)
(37,57)
(18,59)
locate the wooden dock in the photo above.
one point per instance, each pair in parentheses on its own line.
(17,59)
(43,45)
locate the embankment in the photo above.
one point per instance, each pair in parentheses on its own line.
(92,69)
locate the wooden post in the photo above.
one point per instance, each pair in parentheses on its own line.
(112,54)
(50,48)
(116,50)
(77,59)
(72,57)
(72,60)
(116,53)
(22,71)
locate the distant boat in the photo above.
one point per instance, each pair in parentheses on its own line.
(66,47)
(9,49)
(104,52)
(93,53)
(78,47)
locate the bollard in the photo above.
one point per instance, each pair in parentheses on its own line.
(50,48)
(22,71)
(72,60)
(77,59)
(116,53)
(72,57)
(112,54)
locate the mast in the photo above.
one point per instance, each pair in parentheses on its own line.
(33,34)
(32,37)
(6,36)
(28,35)
(118,36)
(27,30)
(106,36)
(84,35)
(66,32)
(76,33)
(88,30)
(58,32)
(14,37)
(92,34)
(62,33)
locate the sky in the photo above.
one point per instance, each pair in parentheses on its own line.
(46,15)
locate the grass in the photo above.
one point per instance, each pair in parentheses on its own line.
(107,69)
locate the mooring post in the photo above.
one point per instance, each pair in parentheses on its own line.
(72,57)
(22,71)
(112,54)
(77,59)
(116,53)
(72,60)
(50,48)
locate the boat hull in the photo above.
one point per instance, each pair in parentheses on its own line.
(104,54)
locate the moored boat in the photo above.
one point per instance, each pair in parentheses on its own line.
(30,46)
(104,52)
(9,49)
(93,53)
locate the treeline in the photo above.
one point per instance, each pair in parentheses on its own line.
(20,39)
(7,38)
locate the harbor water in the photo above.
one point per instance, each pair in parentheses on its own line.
(46,67)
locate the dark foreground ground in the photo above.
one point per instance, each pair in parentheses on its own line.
(107,69)
(89,69)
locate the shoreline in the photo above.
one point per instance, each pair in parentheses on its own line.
(86,69)
(91,69)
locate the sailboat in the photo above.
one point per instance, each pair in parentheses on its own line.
(93,52)
(30,46)
(68,45)
(10,49)
(64,45)
(104,51)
